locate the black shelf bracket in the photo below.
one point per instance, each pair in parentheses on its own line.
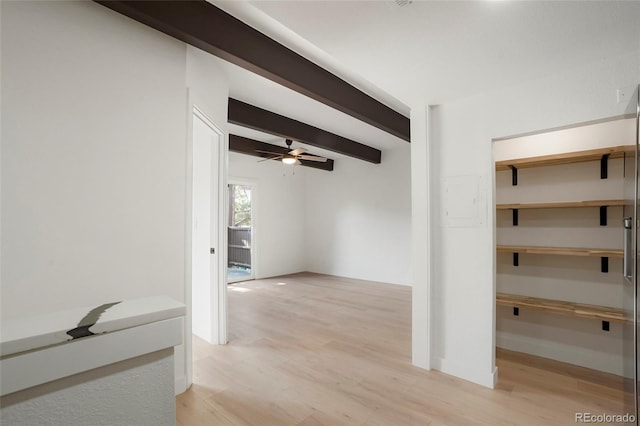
(603,215)
(604,162)
(604,264)
(515,217)
(514,175)
(516,311)
(516,259)
(605,325)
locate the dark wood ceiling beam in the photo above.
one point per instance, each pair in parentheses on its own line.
(248,146)
(209,28)
(250,116)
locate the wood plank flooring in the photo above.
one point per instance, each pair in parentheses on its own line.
(313,350)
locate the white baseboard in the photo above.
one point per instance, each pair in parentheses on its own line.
(181,385)
(487,379)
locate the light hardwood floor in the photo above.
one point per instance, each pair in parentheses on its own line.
(314,350)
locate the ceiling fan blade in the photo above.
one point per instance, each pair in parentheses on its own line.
(271,158)
(297,151)
(268,152)
(312,158)
(298,162)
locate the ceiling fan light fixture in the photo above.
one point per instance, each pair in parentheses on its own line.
(289,159)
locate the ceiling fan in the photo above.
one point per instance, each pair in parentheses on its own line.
(292,156)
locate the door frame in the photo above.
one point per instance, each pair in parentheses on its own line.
(220,284)
(253,184)
(631,351)
(629,282)
(635,311)
(624,116)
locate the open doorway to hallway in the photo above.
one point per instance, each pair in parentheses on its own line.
(240,233)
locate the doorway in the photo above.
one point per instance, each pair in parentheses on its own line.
(240,233)
(565,259)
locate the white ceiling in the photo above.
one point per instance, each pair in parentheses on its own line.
(428,52)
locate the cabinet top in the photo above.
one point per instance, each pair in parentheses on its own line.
(34,332)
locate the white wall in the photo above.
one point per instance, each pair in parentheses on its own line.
(94,112)
(359,218)
(352,222)
(463,259)
(93,139)
(208,86)
(279,205)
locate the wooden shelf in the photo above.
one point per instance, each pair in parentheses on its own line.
(560,251)
(565,158)
(602,313)
(565,204)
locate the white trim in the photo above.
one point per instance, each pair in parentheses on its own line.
(430,179)
(488,379)
(188,224)
(223,318)
(495,377)
(201,115)
(223,161)
(568,126)
(422,139)
(180,384)
(494,274)
(221,245)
